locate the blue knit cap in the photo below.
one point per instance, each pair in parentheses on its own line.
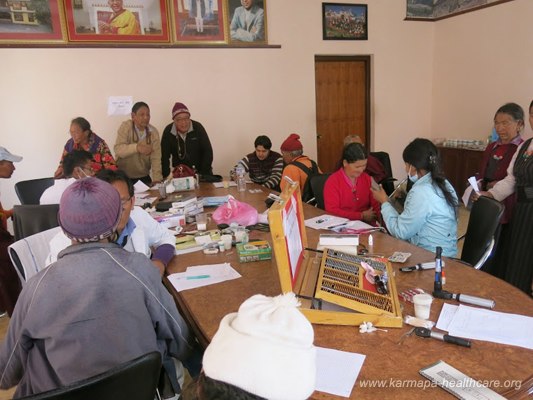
(89,210)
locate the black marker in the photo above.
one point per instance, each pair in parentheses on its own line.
(437,285)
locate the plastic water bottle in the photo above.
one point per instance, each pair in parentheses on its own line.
(241,181)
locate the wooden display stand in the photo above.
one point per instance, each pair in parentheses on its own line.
(309,274)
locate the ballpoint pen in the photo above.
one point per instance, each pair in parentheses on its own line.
(419,266)
(194,277)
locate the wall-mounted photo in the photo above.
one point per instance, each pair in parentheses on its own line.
(247,21)
(430,10)
(342,21)
(31,21)
(198,21)
(117,20)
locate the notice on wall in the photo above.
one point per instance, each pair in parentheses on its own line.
(119,105)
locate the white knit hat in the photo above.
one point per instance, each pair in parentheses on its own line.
(266,349)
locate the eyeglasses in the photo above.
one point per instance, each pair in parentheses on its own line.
(125,201)
(505,124)
(182,119)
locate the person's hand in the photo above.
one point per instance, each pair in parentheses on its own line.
(59,173)
(477,195)
(368,215)
(380,195)
(144,149)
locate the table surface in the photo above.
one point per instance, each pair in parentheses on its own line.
(387,363)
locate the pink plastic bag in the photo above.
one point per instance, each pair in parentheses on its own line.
(235,211)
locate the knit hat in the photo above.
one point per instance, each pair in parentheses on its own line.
(178,109)
(266,349)
(292,143)
(89,210)
(5,155)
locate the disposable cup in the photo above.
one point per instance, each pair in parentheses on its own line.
(227,241)
(422,305)
(201,221)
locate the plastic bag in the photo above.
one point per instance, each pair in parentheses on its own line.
(182,171)
(235,211)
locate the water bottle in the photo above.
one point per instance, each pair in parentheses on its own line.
(241,181)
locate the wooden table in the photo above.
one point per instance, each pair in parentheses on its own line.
(387,363)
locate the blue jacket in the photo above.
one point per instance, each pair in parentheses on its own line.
(427,220)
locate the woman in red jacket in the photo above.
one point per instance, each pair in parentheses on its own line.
(347,191)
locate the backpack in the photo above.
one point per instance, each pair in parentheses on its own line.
(307,191)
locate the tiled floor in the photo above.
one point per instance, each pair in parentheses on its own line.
(461,229)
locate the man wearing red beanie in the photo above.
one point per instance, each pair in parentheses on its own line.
(292,153)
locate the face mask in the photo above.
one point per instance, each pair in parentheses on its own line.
(412,178)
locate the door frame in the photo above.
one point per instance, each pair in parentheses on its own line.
(366,61)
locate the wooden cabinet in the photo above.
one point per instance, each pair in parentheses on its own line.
(460,164)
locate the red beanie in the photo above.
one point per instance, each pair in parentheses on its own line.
(178,109)
(292,143)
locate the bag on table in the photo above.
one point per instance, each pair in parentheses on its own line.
(235,211)
(182,171)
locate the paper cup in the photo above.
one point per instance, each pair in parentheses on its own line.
(201,221)
(422,304)
(227,241)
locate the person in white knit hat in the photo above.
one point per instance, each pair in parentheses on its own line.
(263,351)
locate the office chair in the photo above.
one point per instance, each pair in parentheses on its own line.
(317,183)
(29,254)
(134,380)
(30,219)
(480,232)
(29,192)
(388,182)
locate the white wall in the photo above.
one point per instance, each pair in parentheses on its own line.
(483,59)
(236,93)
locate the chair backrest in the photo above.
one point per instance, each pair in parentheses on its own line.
(134,380)
(29,254)
(388,182)
(482,225)
(317,183)
(31,219)
(29,192)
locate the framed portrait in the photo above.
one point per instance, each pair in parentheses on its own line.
(198,21)
(341,21)
(119,21)
(27,21)
(247,22)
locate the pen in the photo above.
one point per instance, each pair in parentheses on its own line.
(419,266)
(336,226)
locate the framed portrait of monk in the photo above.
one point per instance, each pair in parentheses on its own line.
(198,21)
(247,22)
(31,22)
(118,21)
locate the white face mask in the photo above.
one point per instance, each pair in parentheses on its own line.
(412,178)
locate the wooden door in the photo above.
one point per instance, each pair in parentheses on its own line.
(342,86)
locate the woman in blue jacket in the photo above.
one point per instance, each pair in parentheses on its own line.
(429,217)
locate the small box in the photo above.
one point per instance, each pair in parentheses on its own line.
(254,251)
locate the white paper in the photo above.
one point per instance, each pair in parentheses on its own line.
(492,326)
(324,221)
(140,187)
(119,105)
(446,315)
(219,185)
(217,273)
(141,201)
(473,183)
(337,371)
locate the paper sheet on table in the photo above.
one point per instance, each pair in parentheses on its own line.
(142,200)
(217,273)
(446,315)
(140,187)
(324,221)
(491,326)
(221,184)
(337,371)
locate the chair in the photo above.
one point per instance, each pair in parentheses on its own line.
(29,254)
(30,219)
(134,380)
(317,183)
(388,182)
(29,192)
(480,232)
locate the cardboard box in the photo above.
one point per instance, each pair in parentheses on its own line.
(254,251)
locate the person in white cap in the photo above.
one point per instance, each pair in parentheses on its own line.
(9,281)
(263,351)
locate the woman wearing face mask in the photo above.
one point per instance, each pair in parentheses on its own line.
(429,216)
